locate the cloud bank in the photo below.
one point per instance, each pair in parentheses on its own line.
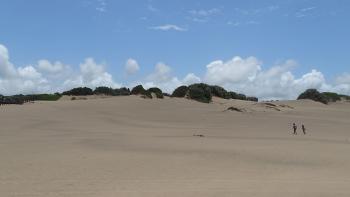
(46,76)
(244,75)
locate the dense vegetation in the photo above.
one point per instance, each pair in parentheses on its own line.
(111,92)
(20,99)
(139,90)
(44,97)
(331,96)
(314,95)
(203,93)
(81,91)
(200,92)
(158,92)
(220,92)
(180,92)
(324,97)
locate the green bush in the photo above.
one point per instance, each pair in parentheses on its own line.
(180,91)
(156,91)
(200,92)
(80,91)
(220,92)
(331,96)
(45,97)
(314,95)
(122,91)
(139,90)
(104,90)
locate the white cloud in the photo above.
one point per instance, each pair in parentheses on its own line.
(28,72)
(203,16)
(47,66)
(307,9)
(93,75)
(101,7)
(344,78)
(234,70)
(90,75)
(304,12)
(7,70)
(131,66)
(203,13)
(277,82)
(191,79)
(168,27)
(162,77)
(49,77)
(161,72)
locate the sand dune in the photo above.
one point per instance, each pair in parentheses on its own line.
(129,146)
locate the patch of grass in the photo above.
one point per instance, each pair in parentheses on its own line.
(46,97)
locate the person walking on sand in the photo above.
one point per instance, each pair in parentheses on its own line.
(294,129)
(303,128)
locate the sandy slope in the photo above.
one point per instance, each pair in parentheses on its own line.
(128,146)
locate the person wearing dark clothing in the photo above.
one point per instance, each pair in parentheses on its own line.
(294,129)
(303,128)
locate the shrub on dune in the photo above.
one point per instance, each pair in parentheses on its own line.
(80,91)
(331,96)
(104,90)
(139,90)
(122,91)
(220,92)
(200,92)
(45,97)
(314,95)
(158,92)
(180,91)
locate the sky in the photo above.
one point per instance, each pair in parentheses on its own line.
(269,49)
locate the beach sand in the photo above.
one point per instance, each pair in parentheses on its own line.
(129,146)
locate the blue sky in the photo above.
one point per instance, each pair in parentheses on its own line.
(170,39)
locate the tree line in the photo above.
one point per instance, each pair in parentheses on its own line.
(200,92)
